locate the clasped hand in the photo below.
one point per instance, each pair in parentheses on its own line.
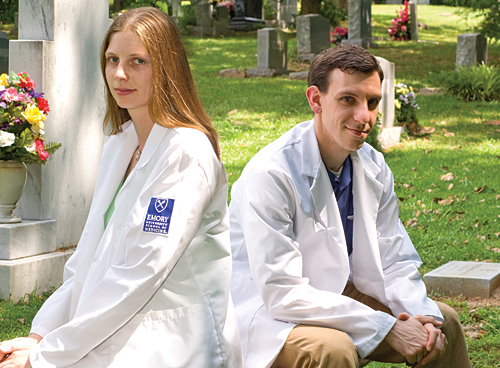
(19,350)
(417,339)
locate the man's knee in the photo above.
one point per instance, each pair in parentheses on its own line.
(451,323)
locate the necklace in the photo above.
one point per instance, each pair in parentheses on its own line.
(138,154)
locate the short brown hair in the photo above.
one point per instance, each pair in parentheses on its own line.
(173,101)
(345,56)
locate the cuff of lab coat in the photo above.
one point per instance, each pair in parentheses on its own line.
(382,331)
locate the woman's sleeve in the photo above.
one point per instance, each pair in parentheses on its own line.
(142,263)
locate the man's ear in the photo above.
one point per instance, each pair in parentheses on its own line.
(314,98)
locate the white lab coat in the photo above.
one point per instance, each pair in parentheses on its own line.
(138,299)
(290,262)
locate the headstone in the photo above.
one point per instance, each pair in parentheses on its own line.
(413,21)
(471,279)
(472,48)
(61,53)
(390,135)
(286,11)
(177,9)
(313,36)
(394,2)
(221,17)
(360,23)
(423,2)
(4,53)
(271,49)
(248,15)
(204,15)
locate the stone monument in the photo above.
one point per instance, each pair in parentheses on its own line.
(472,49)
(394,2)
(271,53)
(286,11)
(248,15)
(360,23)
(471,279)
(390,134)
(61,53)
(210,21)
(413,21)
(313,36)
(4,53)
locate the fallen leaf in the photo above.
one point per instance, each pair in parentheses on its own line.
(426,151)
(429,190)
(497,234)
(21,320)
(480,189)
(238,122)
(449,134)
(482,200)
(444,168)
(497,196)
(418,213)
(432,121)
(496,250)
(447,177)
(450,186)
(446,201)
(481,237)
(493,122)
(412,222)
(427,130)
(443,122)
(466,241)
(414,168)
(232,111)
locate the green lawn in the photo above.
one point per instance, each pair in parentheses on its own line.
(250,113)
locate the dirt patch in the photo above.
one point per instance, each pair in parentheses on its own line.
(474,302)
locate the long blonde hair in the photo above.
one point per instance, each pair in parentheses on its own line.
(173,101)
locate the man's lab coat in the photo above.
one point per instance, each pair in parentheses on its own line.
(290,262)
(141,299)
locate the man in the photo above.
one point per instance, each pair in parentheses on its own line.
(323,270)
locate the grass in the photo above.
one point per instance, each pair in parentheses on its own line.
(250,113)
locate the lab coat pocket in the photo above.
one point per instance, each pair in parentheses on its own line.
(180,337)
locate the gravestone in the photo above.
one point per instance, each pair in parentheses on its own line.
(472,49)
(413,21)
(394,2)
(471,279)
(221,18)
(313,36)
(61,53)
(4,53)
(286,11)
(360,23)
(423,2)
(177,9)
(390,134)
(204,15)
(210,22)
(271,53)
(248,15)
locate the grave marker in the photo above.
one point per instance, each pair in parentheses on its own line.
(471,279)
(472,49)
(313,36)
(4,53)
(413,21)
(286,10)
(271,53)
(360,23)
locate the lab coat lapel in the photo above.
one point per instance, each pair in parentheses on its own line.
(367,191)
(324,200)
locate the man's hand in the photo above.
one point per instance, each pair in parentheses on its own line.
(410,338)
(15,353)
(436,345)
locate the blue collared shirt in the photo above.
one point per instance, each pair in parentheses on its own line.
(342,187)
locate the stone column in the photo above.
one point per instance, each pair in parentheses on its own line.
(472,49)
(60,51)
(313,36)
(360,23)
(413,21)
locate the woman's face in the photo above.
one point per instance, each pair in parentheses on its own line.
(129,72)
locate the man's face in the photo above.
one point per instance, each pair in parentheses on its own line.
(346,113)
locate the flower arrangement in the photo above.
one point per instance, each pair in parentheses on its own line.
(22,113)
(399,30)
(340,33)
(406,106)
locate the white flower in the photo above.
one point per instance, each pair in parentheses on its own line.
(6,139)
(31,147)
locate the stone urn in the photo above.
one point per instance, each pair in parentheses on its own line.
(13,176)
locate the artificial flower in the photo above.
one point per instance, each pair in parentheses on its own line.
(6,139)
(11,94)
(43,104)
(40,149)
(4,80)
(26,81)
(34,116)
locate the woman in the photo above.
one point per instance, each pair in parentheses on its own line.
(148,285)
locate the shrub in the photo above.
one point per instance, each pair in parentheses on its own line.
(475,83)
(7,10)
(332,12)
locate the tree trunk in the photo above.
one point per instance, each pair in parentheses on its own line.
(310,7)
(118,5)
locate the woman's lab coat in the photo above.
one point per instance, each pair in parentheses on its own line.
(152,289)
(290,262)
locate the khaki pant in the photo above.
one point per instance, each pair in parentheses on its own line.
(322,347)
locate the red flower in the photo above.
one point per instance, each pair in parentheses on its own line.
(40,149)
(26,81)
(43,104)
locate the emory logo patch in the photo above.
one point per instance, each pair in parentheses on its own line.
(158,216)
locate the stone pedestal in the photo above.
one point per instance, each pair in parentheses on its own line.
(360,23)
(313,36)
(471,279)
(472,48)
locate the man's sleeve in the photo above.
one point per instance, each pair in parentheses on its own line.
(266,206)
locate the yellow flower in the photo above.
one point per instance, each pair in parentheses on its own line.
(397,103)
(34,116)
(4,80)
(411,88)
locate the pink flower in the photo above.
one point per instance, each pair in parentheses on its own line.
(403,28)
(11,94)
(40,149)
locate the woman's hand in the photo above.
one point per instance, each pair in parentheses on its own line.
(15,353)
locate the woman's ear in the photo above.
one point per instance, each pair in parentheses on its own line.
(314,98)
